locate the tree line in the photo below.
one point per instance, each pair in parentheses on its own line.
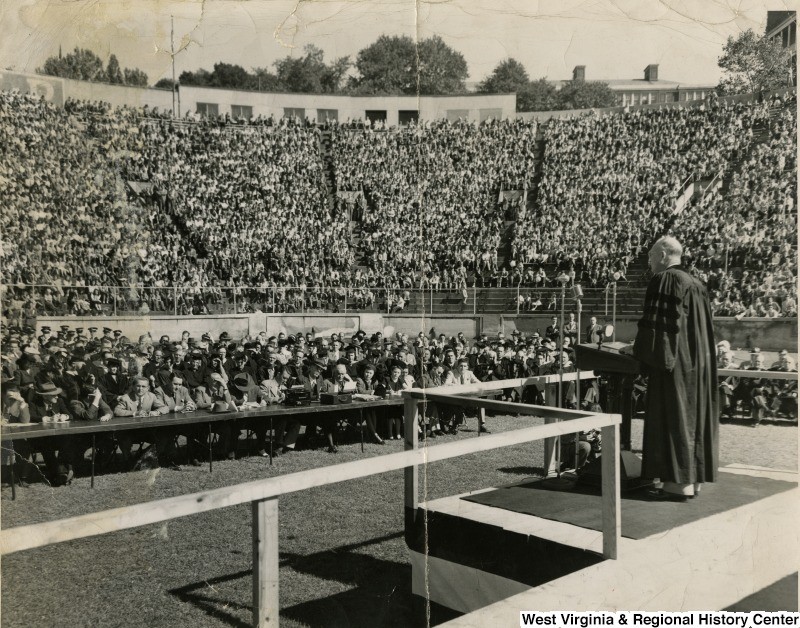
(399,65)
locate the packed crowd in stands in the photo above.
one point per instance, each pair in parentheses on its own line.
(742,241)
(129,210)
(87,374)
(432,216)
(609,182)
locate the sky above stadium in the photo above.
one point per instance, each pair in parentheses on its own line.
(615,39)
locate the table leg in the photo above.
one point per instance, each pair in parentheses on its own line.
(271,440)
(361,425)
(210,450)
(94,453)
(13,475)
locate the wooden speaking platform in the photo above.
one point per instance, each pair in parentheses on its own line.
(490,563)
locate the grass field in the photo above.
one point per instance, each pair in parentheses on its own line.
(343,557)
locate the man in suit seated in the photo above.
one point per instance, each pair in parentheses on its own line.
(462,376)
(338,384)
(140,402)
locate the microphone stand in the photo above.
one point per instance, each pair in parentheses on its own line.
(578,293)
(559,482)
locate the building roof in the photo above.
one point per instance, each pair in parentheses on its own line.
(641,84)
(776,18)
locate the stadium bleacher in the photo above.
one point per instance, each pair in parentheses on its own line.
(127,210)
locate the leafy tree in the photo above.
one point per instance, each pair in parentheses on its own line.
(398,65)
(265,81)
(309,73)
(84,65)
(509,76)
(539,95)
(226,75)
(753,64)
(165,83)
(579,94)
(442,70)
(79,64)
(231,76)
(387,66)
(200,78)
(113,72)
(135,77)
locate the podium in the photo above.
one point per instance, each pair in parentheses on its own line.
(619,370)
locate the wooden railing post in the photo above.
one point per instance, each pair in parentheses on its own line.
(265,563)
(411,442)
(612,522)
(550,458)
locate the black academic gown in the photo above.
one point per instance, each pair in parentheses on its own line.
(675,344)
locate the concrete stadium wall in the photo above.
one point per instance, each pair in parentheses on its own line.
(50,87)
(348,107)
(56,90)
(118,95)
(767,333)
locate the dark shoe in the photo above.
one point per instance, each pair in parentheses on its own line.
(195,462)
(263,453)
(286,450)
(483,429)
(438,432)
(332,449)
(65,477)
(660,495)
(430,435)
(231,455)
(378,440)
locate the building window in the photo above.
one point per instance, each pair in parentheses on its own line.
(407,116)
(327,115)
(207,109)
(241,111)
(454,115)
(375,115)
(294,112)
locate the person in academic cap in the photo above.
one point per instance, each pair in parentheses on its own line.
(675,344)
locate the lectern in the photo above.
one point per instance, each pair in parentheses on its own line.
(619,370)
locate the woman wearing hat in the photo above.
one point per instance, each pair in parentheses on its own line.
(214,396)
(366,385)
(14,409)
(393,386)
(46,406)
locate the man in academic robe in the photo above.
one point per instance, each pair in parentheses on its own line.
(675,345)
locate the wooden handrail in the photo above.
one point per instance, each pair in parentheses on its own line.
(40,534)
(263,494)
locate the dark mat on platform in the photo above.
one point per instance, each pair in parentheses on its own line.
(581,506)
(780,596)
